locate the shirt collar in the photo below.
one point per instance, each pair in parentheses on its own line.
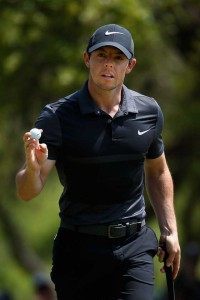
(128,101)
(86,103)
(88,106)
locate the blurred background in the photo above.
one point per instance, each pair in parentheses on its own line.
(41,47)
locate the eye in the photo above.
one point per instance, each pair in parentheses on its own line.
(101,54)
(119,57)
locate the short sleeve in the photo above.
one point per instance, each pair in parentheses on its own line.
(51,135)
(157,146)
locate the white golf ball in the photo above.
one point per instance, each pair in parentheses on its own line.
(35,134)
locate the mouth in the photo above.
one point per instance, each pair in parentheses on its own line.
(109,76)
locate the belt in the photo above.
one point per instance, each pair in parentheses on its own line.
(111,231)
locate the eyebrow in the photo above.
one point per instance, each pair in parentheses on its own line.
(117,50)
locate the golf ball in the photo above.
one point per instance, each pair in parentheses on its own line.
(35,134)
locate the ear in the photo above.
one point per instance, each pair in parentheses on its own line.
(131,65)
(86,59)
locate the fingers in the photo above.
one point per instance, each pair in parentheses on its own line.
(161,254)
(36,153)
(30,145)
(29,141)
(27,136)
(161,250)
(44,149)
(173,254)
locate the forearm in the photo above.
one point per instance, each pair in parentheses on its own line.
(159,186)
(32,176)
(29,183)
(160,191)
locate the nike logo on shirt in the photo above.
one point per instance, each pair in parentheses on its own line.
(143,132)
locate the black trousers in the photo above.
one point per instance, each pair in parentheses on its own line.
(87,267)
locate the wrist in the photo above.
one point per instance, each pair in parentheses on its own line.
(32,172)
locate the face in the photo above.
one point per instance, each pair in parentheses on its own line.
(107,68)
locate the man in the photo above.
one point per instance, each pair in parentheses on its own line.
(101,139)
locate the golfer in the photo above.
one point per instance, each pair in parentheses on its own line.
(106,144)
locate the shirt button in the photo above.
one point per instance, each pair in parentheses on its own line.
(98,112)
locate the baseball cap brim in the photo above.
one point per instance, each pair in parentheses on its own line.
(116,45)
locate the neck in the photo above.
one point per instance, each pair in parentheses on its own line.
(106,100)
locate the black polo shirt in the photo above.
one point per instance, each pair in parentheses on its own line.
(100,159)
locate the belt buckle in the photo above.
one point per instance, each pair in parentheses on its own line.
(110,229)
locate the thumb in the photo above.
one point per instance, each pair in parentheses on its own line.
(43,148)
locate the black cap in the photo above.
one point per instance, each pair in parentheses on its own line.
(112,35)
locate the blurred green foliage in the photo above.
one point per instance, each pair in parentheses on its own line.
(41,49)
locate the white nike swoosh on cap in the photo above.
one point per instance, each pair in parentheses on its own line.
(112,32)
(143,132)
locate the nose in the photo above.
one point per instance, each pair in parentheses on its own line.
(108,63)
